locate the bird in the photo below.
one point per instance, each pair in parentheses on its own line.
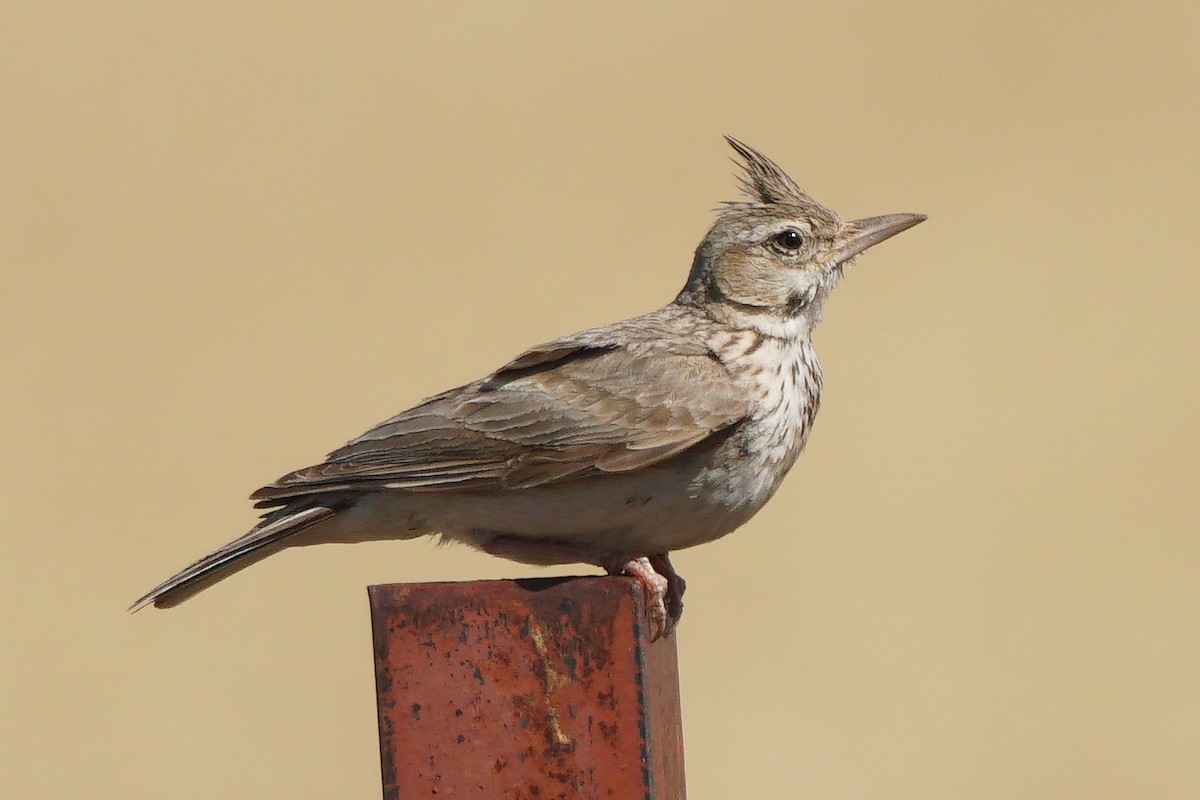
(613,446)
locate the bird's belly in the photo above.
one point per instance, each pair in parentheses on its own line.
(656,511)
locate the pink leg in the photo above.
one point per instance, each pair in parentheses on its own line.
(663,585)
(656,587)
(676,586)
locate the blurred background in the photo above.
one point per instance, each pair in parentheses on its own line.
(233,236)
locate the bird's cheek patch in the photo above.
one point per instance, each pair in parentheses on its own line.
(751,281)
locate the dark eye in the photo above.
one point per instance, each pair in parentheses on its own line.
(789,239)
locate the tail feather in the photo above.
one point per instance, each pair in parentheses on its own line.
(268,537)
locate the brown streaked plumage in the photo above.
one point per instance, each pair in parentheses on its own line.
(580,406)
(612,446)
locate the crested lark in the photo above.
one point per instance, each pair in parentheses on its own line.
(612,446)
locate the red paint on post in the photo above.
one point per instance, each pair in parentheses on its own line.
(525,690)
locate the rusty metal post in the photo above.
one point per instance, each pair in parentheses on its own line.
(526,689)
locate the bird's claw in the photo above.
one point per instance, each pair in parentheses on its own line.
(664,590)
(676,586)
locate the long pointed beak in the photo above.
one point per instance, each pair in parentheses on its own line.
(864,233)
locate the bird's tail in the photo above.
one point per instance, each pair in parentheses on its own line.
(267,537)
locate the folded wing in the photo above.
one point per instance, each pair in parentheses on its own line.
(568,409)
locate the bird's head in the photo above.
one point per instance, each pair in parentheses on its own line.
(770,261)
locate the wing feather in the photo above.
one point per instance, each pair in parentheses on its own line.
(570,408)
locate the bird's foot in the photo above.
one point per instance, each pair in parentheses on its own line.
(656,589)
(676,586)
(664,588)
(663,585)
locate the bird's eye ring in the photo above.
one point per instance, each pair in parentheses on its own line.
(789,239)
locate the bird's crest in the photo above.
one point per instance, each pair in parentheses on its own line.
(763,181)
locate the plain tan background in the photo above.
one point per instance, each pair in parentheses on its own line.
(235,235)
